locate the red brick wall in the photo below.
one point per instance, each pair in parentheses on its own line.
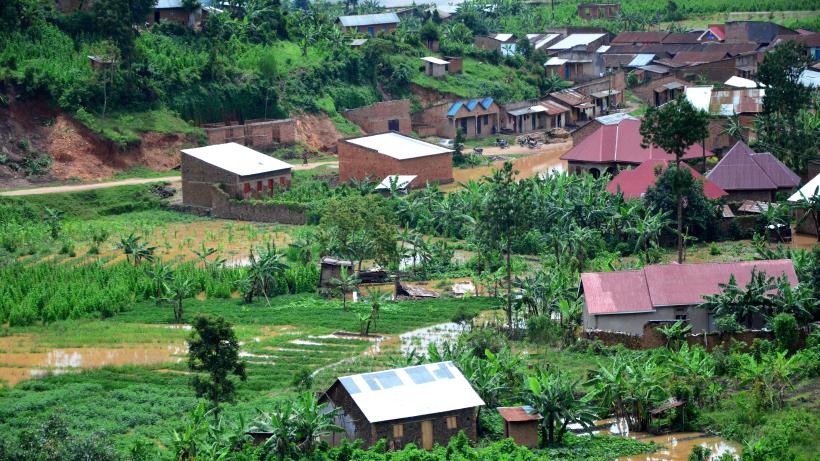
(374,118)
(258,134)
(646,92)
(357,162)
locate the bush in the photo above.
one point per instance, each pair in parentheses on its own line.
(542,329)
(786,331)
(480,340)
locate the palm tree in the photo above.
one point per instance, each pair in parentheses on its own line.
(161,275)
(629,390)
(177,290)
(135,250)
(734,128)
(553,396)
(346,283)
(264,269)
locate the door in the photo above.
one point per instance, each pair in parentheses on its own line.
(393,125)
(427,435)
(478,125)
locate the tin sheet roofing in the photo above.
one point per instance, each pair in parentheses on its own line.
(556,61)
(621,143)
(528,110)
(168,4)
(682,37)
(698,57)
(614,119)
(699,96)
(574,40)
(743,169)
(740,82)
(736,101)
(469,105)
(369,19)
(502,37)
(810,189)
(640,37)
(810,78)
(656,68)
(661,285)
(634,183)
(402,181)
(412,391)
(519,414)
(398,146)
(435,60)
(237,159)
(571,97)
(553,108)
(641,60)
(540,40)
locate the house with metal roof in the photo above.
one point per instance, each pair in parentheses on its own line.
(370,24)
(424,405)
(577,57)
(381,155)
(809,225)
(581,106)
(239,171)
(633,183)
(614,147)
(175,11)
(503,43)
(533,115)
(748,175)
(625,301)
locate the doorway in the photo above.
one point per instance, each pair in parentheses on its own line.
(427,435)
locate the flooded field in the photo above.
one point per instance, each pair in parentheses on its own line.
(542,160)
(678,447)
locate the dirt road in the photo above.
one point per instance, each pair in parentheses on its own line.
(124,182)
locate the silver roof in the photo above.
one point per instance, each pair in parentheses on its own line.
(237,159)
(402,181)
(641,60)
(412,391)
(614,119)
(398,146)
(575,40)
(369,19)
(166,4)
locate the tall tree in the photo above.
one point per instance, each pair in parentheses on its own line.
(780,72)
(674,128)
(504,217)
(214,350)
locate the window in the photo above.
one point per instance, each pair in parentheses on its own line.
(398,431)
(486,119)
(682,317)
(270,185)
(451,422)
(393,125)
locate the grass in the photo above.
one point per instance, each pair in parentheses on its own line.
(92,204)
(124,128)
(345,126)
(140,171)
(481,79)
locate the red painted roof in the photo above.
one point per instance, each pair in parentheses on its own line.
(719,31)
(621,143)
(669,284)
(634,183)
(743,169)
(518,415)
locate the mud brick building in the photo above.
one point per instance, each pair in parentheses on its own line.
(598,10)
(521,425)
(625,301)
(424,405)
(386,154)
(238,170)
(382,117)
(370,24)
(747,175)
(475,118)
(503,43)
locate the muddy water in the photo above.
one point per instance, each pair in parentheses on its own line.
(546,158)
(678,447)
(17,366)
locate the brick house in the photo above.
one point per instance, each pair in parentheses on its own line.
(533,115)
(745,103)
(747,175)
(173,11)
(578,57)
(475,118)
(503,43)
(240,171)
(382,155)
(424,405)
(807,192)
(598,10)
(382,117)
(625,301)
(613,147)
(370,24)
(581,106)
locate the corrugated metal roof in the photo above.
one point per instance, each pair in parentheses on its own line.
(435,60)
(614,119)
(737,101)
(555,61)
(658,69)
(402,181)
(358,42)
(810,78)
(641,60)
(603,49)
(743,169)
(519,414)
(369,19)
(689,58)
(412,391)
(574,40)
(640,37)
(604,93)
(237,159)
(699,96)
(634,183)
(454,108)
(469,105)
(527,110)
(669,284)
(553,108)
(682,37)
(539,40)
(502,37)
(740,82)
(810,189)
(168,4)
(571,97)
(398,146)
(621,143)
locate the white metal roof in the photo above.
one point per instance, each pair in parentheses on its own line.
(435,60)
(502,37)
(540,42)
(398,146)
(358,42)
(699,96)
(166,4)
(402,181)
(641,60)
(575,40)
(527,110)
(237,159)
(556,62)
(807,191)
(369,19)
(810,78)
(411,391)
(603,49)
(614,119)
(740,82)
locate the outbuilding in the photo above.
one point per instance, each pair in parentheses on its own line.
(240,171)
(521,425)
(386,154)
(370,24)
(435,67)
(424,405)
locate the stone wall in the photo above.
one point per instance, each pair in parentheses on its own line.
(253,133)
(223,206)
(375,118)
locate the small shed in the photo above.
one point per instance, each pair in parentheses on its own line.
(414,292)
(434,66)
(521,425)
(331,268)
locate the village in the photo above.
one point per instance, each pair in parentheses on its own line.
(388,230)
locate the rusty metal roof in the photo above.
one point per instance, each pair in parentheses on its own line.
(698,57)
(743,169)
(621,143)
(662,285)
(666,406)
(519,414)
(571,97)
(737,101)
(640,37)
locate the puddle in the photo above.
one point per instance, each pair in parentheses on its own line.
(421,339)
(17,366)
(678,447)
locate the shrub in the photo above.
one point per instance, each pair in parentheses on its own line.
(786,331)
(542,329)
